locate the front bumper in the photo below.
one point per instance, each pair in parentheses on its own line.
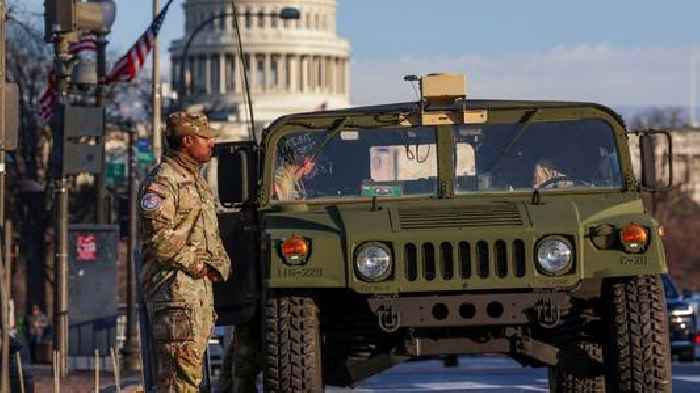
(469,310)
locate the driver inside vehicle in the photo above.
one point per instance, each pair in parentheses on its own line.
(545,173)
(289,177)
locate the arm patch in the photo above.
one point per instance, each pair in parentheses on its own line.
(151,201)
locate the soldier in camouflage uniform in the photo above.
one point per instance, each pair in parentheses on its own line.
(183,253)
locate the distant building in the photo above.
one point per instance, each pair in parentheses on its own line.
(293,65)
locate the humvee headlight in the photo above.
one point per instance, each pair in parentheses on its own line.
(554,255)
(373,261)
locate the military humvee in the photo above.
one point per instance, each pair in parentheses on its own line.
(371,235)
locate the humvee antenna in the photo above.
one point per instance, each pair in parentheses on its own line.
(246,87)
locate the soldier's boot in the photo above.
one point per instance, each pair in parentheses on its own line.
(242,360)
(246,357)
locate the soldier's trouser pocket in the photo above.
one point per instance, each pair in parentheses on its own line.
(173,322)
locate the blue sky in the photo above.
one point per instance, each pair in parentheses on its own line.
(621,53)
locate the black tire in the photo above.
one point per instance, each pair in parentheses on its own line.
(292,344)
(580,369)
(637,356)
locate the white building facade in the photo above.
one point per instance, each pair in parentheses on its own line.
(292,65)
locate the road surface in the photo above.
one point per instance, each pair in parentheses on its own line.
(485,374)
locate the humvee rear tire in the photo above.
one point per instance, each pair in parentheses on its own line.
(637,355)
(579,370)
(292,343)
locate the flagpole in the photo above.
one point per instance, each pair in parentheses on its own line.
(157,139)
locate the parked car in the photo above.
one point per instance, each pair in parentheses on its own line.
(693,298)
(682,322)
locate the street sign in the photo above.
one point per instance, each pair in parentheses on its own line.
(143,145)
(86,247)
(115,173)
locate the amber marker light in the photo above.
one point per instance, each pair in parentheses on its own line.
(295,249)
(634,237)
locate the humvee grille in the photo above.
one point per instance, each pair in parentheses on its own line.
(464,260)
(456,217)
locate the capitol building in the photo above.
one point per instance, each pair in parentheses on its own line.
(293,65)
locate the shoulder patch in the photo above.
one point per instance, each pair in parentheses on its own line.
(151,201)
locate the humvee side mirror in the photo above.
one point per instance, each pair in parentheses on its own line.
(236,172)
(656,156)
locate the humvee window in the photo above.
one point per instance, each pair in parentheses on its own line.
(355,163)
(542,155)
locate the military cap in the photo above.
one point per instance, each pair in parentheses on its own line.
(184,123)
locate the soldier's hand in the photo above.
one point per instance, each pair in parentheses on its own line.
(213,275)
(199,270)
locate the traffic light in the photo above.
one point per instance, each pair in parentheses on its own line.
(74,125)
(64,16)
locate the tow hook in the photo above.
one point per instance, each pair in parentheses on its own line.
(389,320)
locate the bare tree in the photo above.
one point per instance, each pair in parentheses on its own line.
(660,118)
(28,64)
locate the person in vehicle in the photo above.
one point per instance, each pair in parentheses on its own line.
(544,172)
(288,178)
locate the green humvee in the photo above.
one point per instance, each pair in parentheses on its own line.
(371,235)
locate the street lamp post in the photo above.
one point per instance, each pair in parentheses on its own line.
(63,19)
(157,139)
(288,13)
(4,291)
(131,352)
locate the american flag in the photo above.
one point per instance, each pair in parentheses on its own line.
(87,42)
(48,99)
(131,63)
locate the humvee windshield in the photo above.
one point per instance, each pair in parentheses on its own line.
(487,158)
(544,155)
(356,163)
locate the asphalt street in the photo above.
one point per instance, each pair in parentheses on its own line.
(486,374)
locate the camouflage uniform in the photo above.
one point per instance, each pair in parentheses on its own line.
(180,232)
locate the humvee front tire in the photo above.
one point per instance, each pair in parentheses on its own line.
(579,370)
(292,343)
(637,354)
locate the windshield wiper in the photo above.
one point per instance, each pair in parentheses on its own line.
(337,127)
(523,124)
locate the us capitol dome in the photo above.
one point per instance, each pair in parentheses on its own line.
(293,65)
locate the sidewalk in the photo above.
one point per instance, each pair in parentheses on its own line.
(83,381)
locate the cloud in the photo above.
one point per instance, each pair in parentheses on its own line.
(587,72)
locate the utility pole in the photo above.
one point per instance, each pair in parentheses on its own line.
(131,350)
(64,20)
(103,214)
(693,88)
(62,216)
(4,288)
(157,139)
